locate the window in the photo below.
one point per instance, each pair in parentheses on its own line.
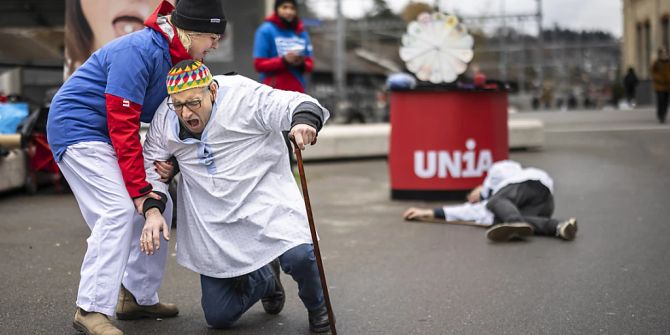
(665,32)
(639,47)
(647,47)
(643,46)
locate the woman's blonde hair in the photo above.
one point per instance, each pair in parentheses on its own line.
(183,35)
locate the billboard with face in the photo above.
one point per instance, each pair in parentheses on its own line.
(90,24)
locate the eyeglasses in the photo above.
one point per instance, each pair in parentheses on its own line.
(179,106)
(213,37)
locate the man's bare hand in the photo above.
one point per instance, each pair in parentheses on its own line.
(139,201)
(303,134)
(150,239)
(165,170)
(475,195)
(418,214)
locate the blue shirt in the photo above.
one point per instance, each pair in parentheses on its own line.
(132,67)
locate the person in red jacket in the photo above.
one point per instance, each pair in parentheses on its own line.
(283,52)
(93,132)
(282,49)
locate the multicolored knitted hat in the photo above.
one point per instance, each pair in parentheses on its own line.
(186,75)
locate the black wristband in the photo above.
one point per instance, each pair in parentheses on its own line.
(308,113)
(150,203)
(438,213)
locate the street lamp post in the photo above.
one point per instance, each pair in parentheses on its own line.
(340,54)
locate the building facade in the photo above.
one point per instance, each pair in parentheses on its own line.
(646,29)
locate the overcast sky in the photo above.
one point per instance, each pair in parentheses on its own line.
(577,14)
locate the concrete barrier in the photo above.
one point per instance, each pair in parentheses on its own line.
(372,140)
(350,141)
(526,133)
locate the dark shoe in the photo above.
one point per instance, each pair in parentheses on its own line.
(274,303)
(93,323)
(127,308)
(567,230)
(506,231)
(318,320)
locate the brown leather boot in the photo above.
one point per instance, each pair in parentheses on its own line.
(128,309)
(93,323)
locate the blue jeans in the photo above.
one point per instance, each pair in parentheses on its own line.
(223,302)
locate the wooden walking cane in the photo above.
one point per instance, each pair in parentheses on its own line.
(312,229)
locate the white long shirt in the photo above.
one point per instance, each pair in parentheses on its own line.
(477,213)
(238,205)
(508,172)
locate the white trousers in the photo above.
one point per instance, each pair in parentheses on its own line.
(113,255)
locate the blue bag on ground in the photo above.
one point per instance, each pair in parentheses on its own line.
(11,115)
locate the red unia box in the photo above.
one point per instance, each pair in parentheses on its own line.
(443,142)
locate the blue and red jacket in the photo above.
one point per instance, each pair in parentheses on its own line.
(273,40)
(120,85)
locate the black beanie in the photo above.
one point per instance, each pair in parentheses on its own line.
(203,16)
(280,2)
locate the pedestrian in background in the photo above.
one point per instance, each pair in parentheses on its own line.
(282,49)
(660,75)
(630,82)
(93,131)
(283,52)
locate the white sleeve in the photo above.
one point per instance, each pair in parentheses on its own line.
(476,213)
(155,148)
(275,108)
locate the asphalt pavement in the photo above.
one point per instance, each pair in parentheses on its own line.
(388,276)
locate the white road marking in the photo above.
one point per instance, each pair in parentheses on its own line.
(606,129)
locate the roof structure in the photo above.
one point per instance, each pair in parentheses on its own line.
(32,13)
(379,61)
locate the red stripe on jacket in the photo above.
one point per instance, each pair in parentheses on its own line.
(123,122)
(123,116)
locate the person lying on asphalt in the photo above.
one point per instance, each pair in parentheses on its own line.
(513,202)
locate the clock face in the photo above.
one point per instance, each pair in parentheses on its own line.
(436,47)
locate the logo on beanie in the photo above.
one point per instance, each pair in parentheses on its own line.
(215,20)
(187,75)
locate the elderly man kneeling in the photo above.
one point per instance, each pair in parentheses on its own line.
(240,213)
